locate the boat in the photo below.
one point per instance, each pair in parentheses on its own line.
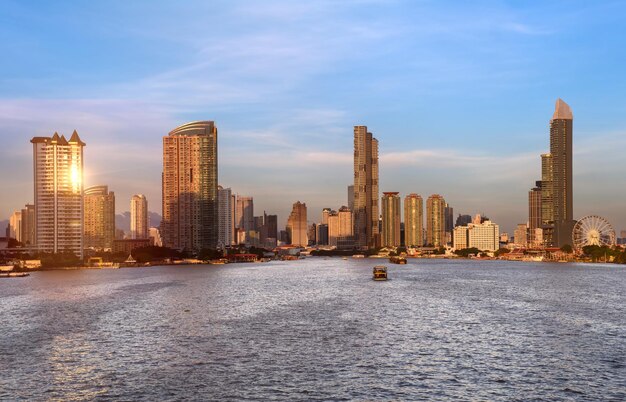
(344,258)
(358,256)
(397,260)
(14,274)
(6,268)
(380,273)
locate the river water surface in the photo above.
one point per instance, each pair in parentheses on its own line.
(317,329)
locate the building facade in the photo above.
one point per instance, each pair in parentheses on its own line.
(484,236)
(190,210)
(139,224)
(244,217)
(390,203)
(435,221)
(15,226)
(99,217)
(520,235)
(413,220)
(297,225)
(226,220)
(561,129)
(365,188)
(58,178)
(534,216)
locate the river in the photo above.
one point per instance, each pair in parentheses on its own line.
(317,329)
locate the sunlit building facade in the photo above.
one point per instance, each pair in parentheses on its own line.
(139,223)
(225,217)
(99,221)
(297,225)
(366,229)
(561,129)
(413,220)
(435,221)
(390,203)
(190,201)
(58,178)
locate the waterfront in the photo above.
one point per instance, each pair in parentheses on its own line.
(317,329)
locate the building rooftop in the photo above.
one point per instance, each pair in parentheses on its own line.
(562,111)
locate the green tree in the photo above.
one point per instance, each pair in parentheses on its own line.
(567,249)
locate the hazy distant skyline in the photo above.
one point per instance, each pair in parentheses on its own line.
(459,96)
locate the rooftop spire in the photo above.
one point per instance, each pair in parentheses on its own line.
(562,111)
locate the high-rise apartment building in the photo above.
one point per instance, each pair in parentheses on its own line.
(365,188)
(520,235)
(99,217)
(413,220)
(340,226)
(351,197)
(390,203)
(297,225)
(226,221)
(547,206)
(534,215)
(244,216)
(15,226)
(435,221)
(190,203)
(58,171)
(27,236)
(271,228)
(449,218)
(139,224)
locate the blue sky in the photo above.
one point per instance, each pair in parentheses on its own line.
(459,95)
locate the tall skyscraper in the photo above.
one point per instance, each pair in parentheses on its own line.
(449,225)
(435,221)
(28,225)
(190,210)
(139,225)
(99,217)
(58,171)
(297,225)
(226,220)
(271,227)
(391,219)
(547,206)
(413,220)
(15,226)
(534,215)
(244,216)
(561,129)
(365,188)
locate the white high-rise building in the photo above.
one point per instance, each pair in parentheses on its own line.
(58,171)
(483,236)
(139,225)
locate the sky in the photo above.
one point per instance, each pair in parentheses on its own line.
(459,95)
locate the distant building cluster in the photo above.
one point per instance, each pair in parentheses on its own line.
(199,214)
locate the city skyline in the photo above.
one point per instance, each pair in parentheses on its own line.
(450,126)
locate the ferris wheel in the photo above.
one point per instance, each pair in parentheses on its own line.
(593,230)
